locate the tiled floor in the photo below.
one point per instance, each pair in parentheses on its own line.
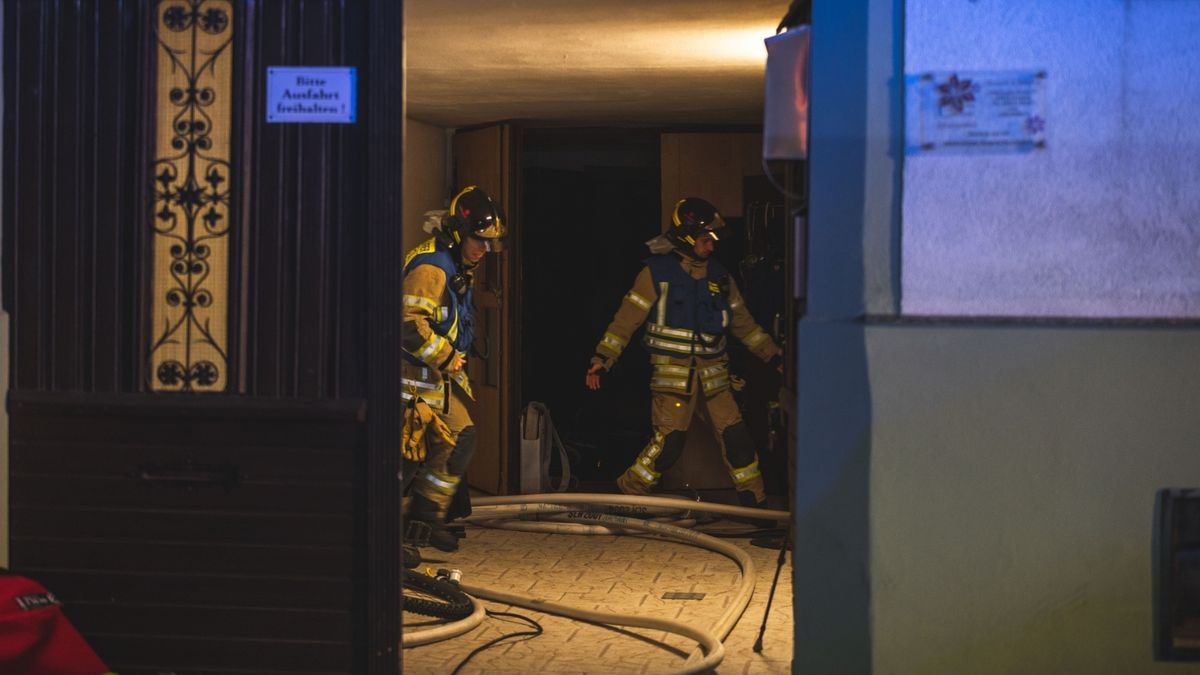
(624,574)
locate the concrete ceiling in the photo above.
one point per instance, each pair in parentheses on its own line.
(582,63)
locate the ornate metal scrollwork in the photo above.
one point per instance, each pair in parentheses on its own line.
(191,196)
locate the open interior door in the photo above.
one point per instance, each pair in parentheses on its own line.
(486,157)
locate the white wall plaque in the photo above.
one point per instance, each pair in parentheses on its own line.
(311,94)
(968,112)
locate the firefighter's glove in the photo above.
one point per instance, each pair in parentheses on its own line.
(419,420)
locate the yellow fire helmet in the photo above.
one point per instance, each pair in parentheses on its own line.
(474,213)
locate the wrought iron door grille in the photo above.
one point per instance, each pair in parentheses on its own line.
(191,172)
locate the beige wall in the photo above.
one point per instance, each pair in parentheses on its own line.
(710,166)
(424,176)
(1013,476)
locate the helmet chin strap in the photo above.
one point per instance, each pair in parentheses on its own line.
(460,282)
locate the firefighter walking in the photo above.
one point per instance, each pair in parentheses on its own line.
(437,333)
(688,302)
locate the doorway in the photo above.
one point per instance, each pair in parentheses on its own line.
(591,198)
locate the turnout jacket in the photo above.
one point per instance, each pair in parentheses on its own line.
(687,306)
(436,324)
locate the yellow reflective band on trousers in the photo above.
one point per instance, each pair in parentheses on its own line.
(441,482)
(715,377)
(671,370)
(677,378)
(654,448)
(644,474)
(670,376)
(643,466)
(745,474)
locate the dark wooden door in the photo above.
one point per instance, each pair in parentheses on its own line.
(204,332)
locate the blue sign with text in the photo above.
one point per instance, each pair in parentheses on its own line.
(311,94)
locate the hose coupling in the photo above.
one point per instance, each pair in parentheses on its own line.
(453,576)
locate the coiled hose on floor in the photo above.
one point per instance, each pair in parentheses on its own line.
(632,500)
(712,649)
(567,511)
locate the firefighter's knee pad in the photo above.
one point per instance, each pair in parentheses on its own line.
(739,446)
(464,449)
(672,448)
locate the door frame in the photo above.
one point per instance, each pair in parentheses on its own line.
(489,156)
(383,96)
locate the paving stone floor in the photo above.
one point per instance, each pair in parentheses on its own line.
(625,574)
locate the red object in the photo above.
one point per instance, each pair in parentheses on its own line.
(35,636)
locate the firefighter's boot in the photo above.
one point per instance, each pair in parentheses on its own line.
(631,483)
(748,498)
(440,537)
(751,491)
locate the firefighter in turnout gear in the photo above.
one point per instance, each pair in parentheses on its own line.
(690,302)
(437,333)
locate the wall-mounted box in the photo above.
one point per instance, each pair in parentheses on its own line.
(1177,575)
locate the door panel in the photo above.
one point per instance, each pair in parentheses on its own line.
(189,521)
(484,157)
(200,527)
(141,588)
(226,653)
(709,165)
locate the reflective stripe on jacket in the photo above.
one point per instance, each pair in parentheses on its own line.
(453,321)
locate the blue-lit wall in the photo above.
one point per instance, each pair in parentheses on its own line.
(1103,222)
(977,496)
